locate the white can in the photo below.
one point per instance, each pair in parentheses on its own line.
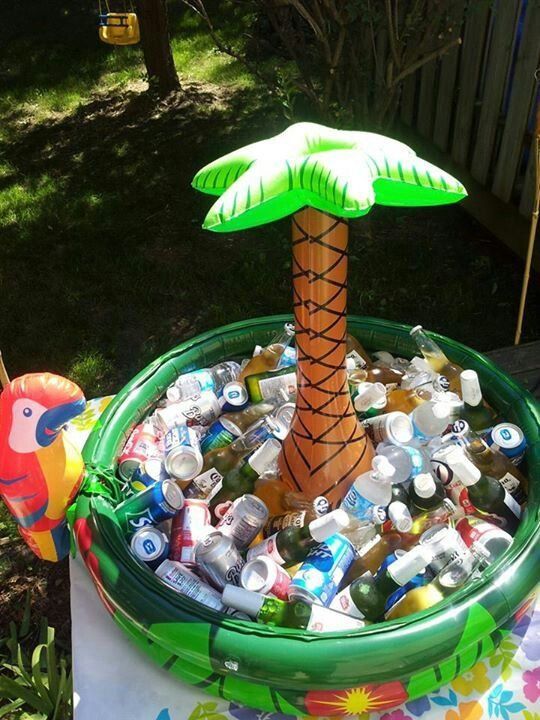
(183,458)
(395,427)
(187,583)
(199,411)
(264,576)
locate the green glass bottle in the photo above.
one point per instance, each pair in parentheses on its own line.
(475,411)
(485,492)
(292,544)
(264,385)
(425,494)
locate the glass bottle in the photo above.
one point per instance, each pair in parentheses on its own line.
(246,417)
(271,383)
(292,544)
(280,499)
(406,400)
(475,411)
(269,357)
(372,554)
(357,352)
(425,494)
(436,358)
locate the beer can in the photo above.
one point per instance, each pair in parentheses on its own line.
(150,545)
(234,397)
(188,584)
(150,471)
(509,440)
(319,576)
(394,427)
(264,576)
(205,485)
(189,526)
(221,433)
(194,412)
(476,533)
(157,503)
(142,444)
(183,458)
(244,520)
(284,415)
(446,545)
(219,560)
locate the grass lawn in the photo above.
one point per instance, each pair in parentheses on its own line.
(103,262)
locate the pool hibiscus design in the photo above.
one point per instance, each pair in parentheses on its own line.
(354,701)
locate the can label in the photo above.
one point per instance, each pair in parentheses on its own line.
(205,485)
(323,570)
(193,412)
(281,584)
(147,508)
(141,445)
(188,584)
(189,526)
(266,547)
(270,387)
(344,603)
(475,531)
(241,525)
(225,567)
(177,437)
(279,522)
(323,619)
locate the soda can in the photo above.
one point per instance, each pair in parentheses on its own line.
(446,545)
(183,458)
(219,560)
(264,576)
(394,427)
(157,503)
(221,433)
(151,471)
(188,584)
(492,541)
(234,397)
(244,520)
(319,576)
(189,526)
(284,415)
(150,545)
(194,412)
(142,444)
(509,440)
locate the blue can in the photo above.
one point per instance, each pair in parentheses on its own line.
(234,397)
(151,471)
(157,503)
(220,434)
(417,581)
(318,578)
(509,439)
(150,545)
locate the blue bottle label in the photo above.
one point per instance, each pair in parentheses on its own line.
(357,505)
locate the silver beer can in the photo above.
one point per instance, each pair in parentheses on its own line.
(219,560)
(244,520)
(446,545)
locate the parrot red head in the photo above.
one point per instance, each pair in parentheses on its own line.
(35,407)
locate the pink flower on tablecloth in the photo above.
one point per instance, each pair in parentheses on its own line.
(396,715)
(531,689)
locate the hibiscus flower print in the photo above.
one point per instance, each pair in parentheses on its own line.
(531,688)
(475,679)
(466,711)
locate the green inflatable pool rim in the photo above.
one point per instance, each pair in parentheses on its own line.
(283,670)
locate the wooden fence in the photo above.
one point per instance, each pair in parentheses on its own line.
(475,108)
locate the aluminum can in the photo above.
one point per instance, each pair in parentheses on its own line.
(205,485)
(219,560)
(142,444)
(492,541)
(244,520)
(234,397)
(183,458)
(319,576)
(150,471)
(157,503)
(221,433)
(509,440)
(188,527)
(394,427)
(264,576)
(150,545)
(419,580)
(446,545)
(194,412)
(188,584)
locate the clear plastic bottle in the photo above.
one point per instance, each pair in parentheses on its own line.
(430,419)
(369,490)
(408,461)
(269,356)
(194,383)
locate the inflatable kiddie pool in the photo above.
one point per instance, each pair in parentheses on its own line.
(277,669)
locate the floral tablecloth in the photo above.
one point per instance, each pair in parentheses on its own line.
(504,686)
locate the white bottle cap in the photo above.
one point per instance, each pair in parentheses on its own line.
(440,410)
(328,525)
(265,455)
(470,388)
(382,466)
(369,394)
(399,427)
(243,600)
(465,470)
(407,566)
(415,329)
(424,485)
(400,516)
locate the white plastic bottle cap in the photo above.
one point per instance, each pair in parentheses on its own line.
(400,516)
(465,470)
(265,455)
(415,329)
(440,410)
(328,525)
(470,387)
(382,466)
(400,427)
(243,600)
(424,485)
(407,566)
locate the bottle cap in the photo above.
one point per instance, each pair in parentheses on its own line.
(424,485)
(289,328)
(328,525)
(399,427)
(415,329)
(382,466)
(400,516)
(465,470)
(369,394)
(440,410)
(241,599)
(470,387)
(407,566)
(265,455)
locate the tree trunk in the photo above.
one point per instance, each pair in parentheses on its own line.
(326,448)
(156,44)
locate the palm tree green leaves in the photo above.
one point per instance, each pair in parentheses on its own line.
(341,172)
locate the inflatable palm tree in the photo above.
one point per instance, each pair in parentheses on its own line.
(321,177)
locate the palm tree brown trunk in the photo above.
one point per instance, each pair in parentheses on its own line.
(326,448)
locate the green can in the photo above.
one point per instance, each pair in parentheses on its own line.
(157,503)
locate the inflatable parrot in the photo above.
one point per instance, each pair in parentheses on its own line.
(40,470)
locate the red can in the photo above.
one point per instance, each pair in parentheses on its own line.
(265,576)
(189,526)
(141,445)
